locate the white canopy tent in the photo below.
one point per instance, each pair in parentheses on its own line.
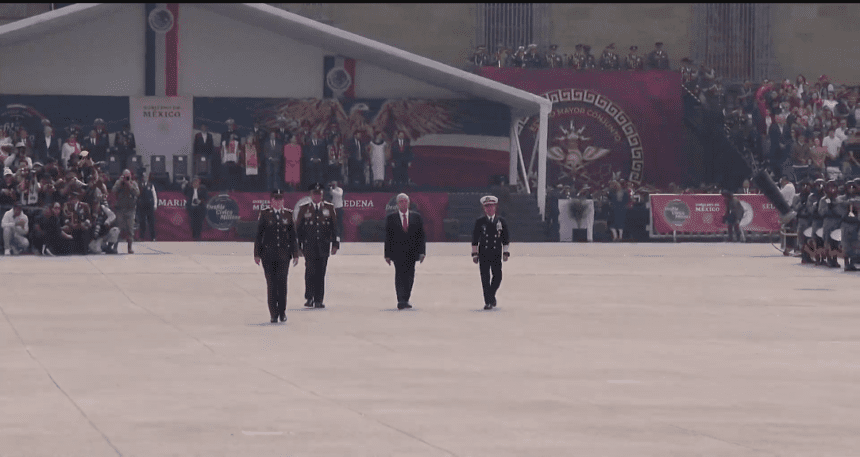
(299,28)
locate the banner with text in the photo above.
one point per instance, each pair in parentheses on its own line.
(703,213)
(604,123)
(232,216)
(162,126)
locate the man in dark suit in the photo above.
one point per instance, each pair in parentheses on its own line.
(316,226)
(355,154)
(273,152)
(124,144)
(490,240)
(780,142)
(405,244)
(204,146)
(274,246)
(315,155)
(97,145)
(196,195)
(47,145)
(401,158)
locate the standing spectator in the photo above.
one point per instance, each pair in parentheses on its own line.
(273,152)
(401,156)
(127,191)
(355,151)
(20,158)
(336,156)
(195,202)
(230,160)
(124,145)
(250,160)
(16,226)
(618,199)
(337,201)
(780,138)
(405,244)
(833,145)
(146,206)
(378,154)
(315,156)
(97,145)
(71,148)
(733,216)
(47,145)
(204,146)
(292,163)
(818,154)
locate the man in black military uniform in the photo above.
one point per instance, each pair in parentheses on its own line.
(490,241)
(658,59)
(316,226)
(851,225)
(804,220)
(633,61)
(553,58)
(828,208)
(274,246)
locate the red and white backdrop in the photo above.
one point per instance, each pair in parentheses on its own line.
(226,211)
(703,213)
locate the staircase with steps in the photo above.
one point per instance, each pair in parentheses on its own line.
(523,216)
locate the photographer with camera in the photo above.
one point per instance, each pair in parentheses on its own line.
(196,195)
(127,191)
(103,234)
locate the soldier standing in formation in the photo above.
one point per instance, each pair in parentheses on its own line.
(490,241)
(804,220)
(829,209)
(588,59)
(316,226)
(554,59)
(480,57)
(633,61)
(274,246)
(609,59)
(577,59)
(658,59)
(851,226)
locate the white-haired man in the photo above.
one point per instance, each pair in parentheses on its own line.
(405,244)
(490,241)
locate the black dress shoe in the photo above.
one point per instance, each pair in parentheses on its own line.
(400,306)
(309,303)
(319,305)
(493,304)
(488,306)
(407,305)
(283,317)
(274,320)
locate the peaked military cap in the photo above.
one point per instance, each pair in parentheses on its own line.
(489,200)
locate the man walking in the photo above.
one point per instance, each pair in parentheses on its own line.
(275,244)
(316,226)
(490,241)
(405,244)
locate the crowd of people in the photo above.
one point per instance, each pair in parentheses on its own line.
(530,56)
(56,202)
(258,159)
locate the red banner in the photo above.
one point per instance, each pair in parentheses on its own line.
(703,213)
(627,123)
(232,216)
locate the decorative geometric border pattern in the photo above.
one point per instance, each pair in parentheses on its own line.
(614,111)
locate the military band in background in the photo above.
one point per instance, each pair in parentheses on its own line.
(580,59)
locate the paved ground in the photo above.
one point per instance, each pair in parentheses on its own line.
(595,350)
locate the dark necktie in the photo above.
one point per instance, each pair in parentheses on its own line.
(405,223)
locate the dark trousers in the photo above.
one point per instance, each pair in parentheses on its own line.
(276,285)
(491,277)
(80,242)
(146,221)
(401,173)
(315,278)
(404,277)
(196,214)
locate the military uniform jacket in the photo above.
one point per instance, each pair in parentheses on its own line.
(830,211)
(851,228)
(317,230)
(490,236)
(812,206)
(276,236)
(804,218)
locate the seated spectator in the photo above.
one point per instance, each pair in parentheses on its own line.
(16,226)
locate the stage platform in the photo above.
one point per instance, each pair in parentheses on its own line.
(594,350)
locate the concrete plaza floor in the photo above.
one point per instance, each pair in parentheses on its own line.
(594,350)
